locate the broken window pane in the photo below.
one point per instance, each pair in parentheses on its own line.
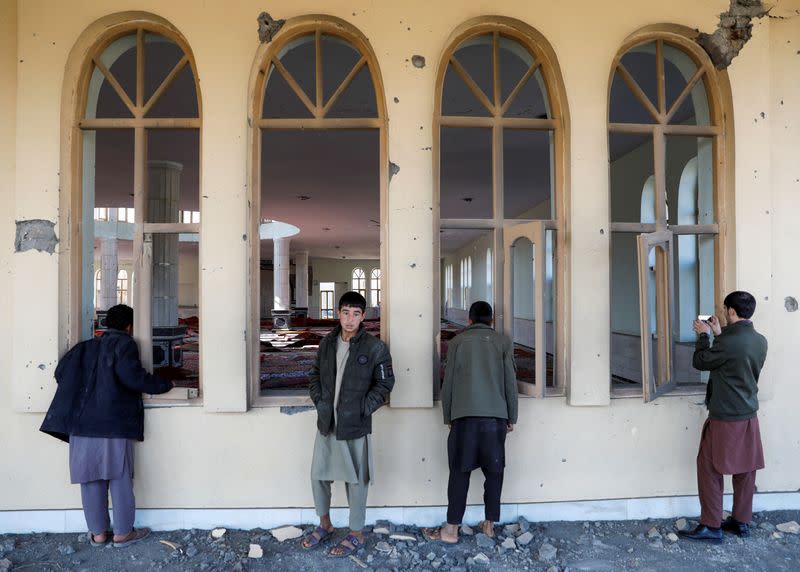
(679,68)
(475,56)
(280,100)
(640,61)
(338,59)
(515,60)
(358,100)
(690,180)
(180,98)
(173,183)
(175,308)
(119,58)
(466,173)
(632,178)
(161,55)
(300,60)
(458,99)
(527,168)
(531,101)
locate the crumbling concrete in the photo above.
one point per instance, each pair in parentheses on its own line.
(295,409)
(268,27)
(394,168)
(734,30)
(35,234)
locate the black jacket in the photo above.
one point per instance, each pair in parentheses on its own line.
(368,379)
(100,386)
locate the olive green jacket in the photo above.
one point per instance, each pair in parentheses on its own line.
(735,360)
(480,378)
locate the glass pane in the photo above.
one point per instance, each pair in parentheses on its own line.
(175,303)
(466,173)
(180,99)
(640,62)
(103,100)
(690,180)
(458,99)
(475,56)
(338,59)
(631,170)
(299,58)
(678,70)
(626,352)
(531,101)
(280,100)
(173,164)
(550,307)
(515,60)
(694,295)
(464,257)
(358,100)
(527,179)
(160,56)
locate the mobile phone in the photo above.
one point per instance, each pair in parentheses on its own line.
(703,318)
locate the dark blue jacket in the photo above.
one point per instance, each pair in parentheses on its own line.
(100,386)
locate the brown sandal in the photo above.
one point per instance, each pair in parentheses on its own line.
(435,535)
(135,535)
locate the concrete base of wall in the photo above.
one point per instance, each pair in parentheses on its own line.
(72,520)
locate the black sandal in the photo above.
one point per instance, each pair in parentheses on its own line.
(323,535)
(347,550)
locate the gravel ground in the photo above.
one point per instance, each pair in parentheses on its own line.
(548,547)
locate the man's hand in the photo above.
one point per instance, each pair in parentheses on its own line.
(715,325)
(509,427)
(701,327)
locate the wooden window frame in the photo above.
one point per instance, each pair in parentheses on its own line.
(545,61)
(720,130)
(72,153)
(267,55)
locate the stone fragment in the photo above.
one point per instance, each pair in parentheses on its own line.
(790,527)
(509,544)
(191,551)
(768,526)
(384,547)
(5,565)
(681,524)
(484,541)
(404,537)
(547,552)
(653,533)
(286,533)
(66,549)
(524,525)
(554,569)
(777,535)
(255,551)
(672,537)
(218,533)
(381,530)
(467,529)
(480,559)
(511,529)
(525,538)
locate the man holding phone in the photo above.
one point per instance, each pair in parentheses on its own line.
(730,443)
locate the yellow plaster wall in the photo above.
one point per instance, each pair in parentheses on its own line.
(260,458)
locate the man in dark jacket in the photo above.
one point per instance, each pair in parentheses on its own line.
(731,440)
(98,409)
(351,379)
(479,404)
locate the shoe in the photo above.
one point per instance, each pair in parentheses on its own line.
(704,533)
(740,529)
(135,535)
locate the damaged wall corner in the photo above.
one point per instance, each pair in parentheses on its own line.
(734,30)
(268,27)
(35,234)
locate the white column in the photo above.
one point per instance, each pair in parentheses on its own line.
(301,279)
(163,192)
(280,262)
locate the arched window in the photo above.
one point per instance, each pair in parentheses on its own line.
(499,160)
(667,139)
(318,121)
(122,287)
(375,286)
(359,281)
(135,149)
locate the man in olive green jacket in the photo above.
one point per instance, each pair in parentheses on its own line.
(731,440)
(479,403)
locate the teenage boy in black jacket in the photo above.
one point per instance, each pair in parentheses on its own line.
(98,409)
(351,379)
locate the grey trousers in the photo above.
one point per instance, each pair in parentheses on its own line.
(356,500)
(94,496)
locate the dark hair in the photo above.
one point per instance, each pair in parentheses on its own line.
(480,313)
(743,303)
(354,300)
(119,317)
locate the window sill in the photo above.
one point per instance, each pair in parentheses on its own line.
(282,400)
(680,391)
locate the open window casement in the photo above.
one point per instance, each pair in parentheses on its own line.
(533,290)
(656,312)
